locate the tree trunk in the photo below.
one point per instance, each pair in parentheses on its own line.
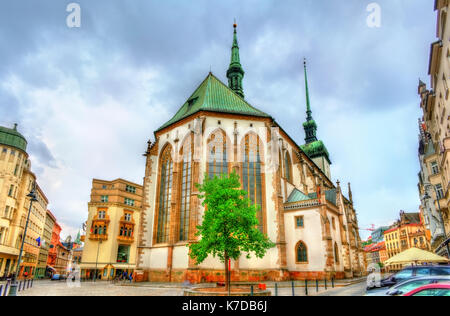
(227,272)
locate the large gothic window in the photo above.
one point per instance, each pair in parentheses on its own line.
(287,167)
(252,175)
(165,195)
(186,187)
(336,253)
(217,154)
(301,253)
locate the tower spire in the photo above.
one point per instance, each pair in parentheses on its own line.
(235,73)
(308,104)
(310,125)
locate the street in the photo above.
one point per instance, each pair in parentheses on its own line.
(61,288)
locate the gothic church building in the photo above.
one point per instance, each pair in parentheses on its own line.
(302,211)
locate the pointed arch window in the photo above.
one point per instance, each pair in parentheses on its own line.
(287,167)
(165,195)
(252,177)
(336,253)
(217,154)
(186,187)
(301,253)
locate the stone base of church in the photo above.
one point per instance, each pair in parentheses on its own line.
(210,276)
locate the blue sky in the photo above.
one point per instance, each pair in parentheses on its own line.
(88,99)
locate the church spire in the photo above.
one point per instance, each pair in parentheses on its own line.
(310,125)
(235,73)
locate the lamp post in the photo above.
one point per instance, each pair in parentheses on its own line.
(13,288)
(96,260)
(426,196)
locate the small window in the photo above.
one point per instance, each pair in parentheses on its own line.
(104,198)
(439,191)
(434,168)
(128,217)
(129,202)
(130,189)
(101,214)
(299,222)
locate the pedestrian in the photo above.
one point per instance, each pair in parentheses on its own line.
(131,277)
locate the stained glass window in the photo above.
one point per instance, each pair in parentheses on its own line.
(336,253)
(186,186)
(251,173)
(217,155)
(302,254)
(165,194)
(287,167)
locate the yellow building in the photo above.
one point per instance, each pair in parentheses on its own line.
(16,181)
(434,146)
(111,240)
(408,232)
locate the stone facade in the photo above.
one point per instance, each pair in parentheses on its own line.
(434,139)
(313,225)
(110,243)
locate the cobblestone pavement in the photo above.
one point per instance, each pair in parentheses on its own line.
(102,288)
(61,288)
(358,289)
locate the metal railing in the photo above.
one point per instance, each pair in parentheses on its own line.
(23,285)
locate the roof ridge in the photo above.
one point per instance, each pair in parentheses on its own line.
(231,90)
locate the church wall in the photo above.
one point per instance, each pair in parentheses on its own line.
(311,237)
(180,257)
(155,260)
(159,258)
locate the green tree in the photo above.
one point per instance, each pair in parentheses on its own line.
(230,226)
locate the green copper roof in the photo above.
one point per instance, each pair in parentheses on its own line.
(297,196)
(11,137)
(214,96)
(330,196)
(316,149)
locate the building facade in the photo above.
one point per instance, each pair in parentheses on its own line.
(434,138)
(409,231)
(217,131)
(63,259)
(55,241)
(46,246)
(16,181)
(110,244)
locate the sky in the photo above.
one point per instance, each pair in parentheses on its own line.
(88,98)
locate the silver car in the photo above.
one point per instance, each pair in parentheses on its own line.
(409,285)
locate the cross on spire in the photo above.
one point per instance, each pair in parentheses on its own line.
(235,73)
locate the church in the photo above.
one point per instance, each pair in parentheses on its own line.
(216,131)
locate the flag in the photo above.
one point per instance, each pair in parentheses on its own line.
(38,241)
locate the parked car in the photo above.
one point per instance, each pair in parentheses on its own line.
(415,271)
(58,277)
(435,289)
(412,284)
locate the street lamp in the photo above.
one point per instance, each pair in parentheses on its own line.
(32,196)
(425,197)
(96,261)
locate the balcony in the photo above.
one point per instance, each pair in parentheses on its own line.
(98,236)
(125,239)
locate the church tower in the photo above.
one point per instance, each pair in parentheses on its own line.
(314,148)
(235,73)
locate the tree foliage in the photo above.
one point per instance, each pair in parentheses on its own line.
(230,226)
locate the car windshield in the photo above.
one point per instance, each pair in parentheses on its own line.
(433,292)
(404,274)
(409,286)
